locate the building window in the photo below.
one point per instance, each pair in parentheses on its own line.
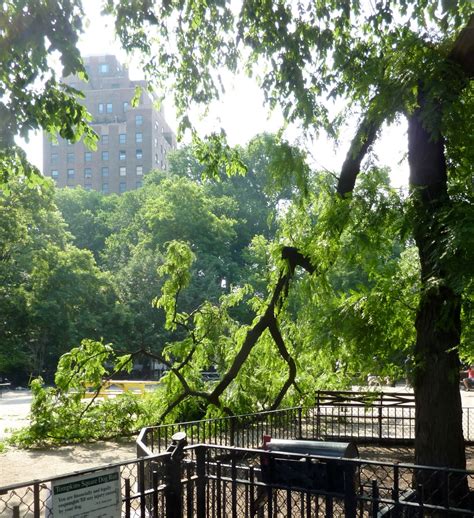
(109,107)
(139,170)
(125,106)
(105,171)
(105,155)
(105,139)
(122,187)
(70,173)
(87,172)
(104,68)
(138,137)
(115,85)
(138,120)
(138,184)
(55,174)
(70,158)
(54,158)
(54,143)
(156,158)
(87,156)
(122,138)
(138,154)
(105,188)
(122,154)
(88,187)
(123,171)
(101,108)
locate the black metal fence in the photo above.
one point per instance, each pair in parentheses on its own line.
(382,418)
(218,482)
(243,430)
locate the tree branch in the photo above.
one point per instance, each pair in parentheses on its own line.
(363,139)
(253,334)
(462,52)
(296,258)
(278,339)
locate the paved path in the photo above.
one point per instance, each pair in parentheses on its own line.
(14,409)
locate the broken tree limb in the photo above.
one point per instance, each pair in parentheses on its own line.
(363,139)
(280,343)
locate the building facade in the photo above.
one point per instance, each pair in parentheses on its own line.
(132,141)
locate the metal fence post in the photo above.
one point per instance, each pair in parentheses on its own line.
(16,511)
(173,467)
(200,482)
(375,498)
(318,417)
(380,416)
(232,431)
(350,502)
(142,487)
(396,491)
(36,500)
(300,422)
(127,498)
(173,490)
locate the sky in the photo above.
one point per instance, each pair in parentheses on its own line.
(241,112)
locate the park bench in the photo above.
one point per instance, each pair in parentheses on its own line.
(115,387)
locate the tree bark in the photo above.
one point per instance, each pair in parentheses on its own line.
(439,437)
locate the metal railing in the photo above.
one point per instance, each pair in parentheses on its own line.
(356,416)
(242,430)
(216,481)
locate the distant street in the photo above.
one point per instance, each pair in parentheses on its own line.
(14,409)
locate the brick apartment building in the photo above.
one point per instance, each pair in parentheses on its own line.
(132,141)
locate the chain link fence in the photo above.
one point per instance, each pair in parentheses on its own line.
(216,481)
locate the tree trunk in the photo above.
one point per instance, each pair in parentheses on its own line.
(439,437)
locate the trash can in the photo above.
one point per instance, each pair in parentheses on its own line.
(328,473)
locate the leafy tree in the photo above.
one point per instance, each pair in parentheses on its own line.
(31,96)
(52,294)
(167,208)
(87,214)
(68,299)
(26,217)
(394,59)
(385,61)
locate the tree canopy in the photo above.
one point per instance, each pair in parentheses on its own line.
(320,62)
(31,95)
(392,59)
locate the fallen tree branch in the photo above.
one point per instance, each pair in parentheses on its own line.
(364,137)
(280,343)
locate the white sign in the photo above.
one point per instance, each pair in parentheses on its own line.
(94,495)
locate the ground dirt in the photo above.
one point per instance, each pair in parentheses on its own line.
(25,465)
